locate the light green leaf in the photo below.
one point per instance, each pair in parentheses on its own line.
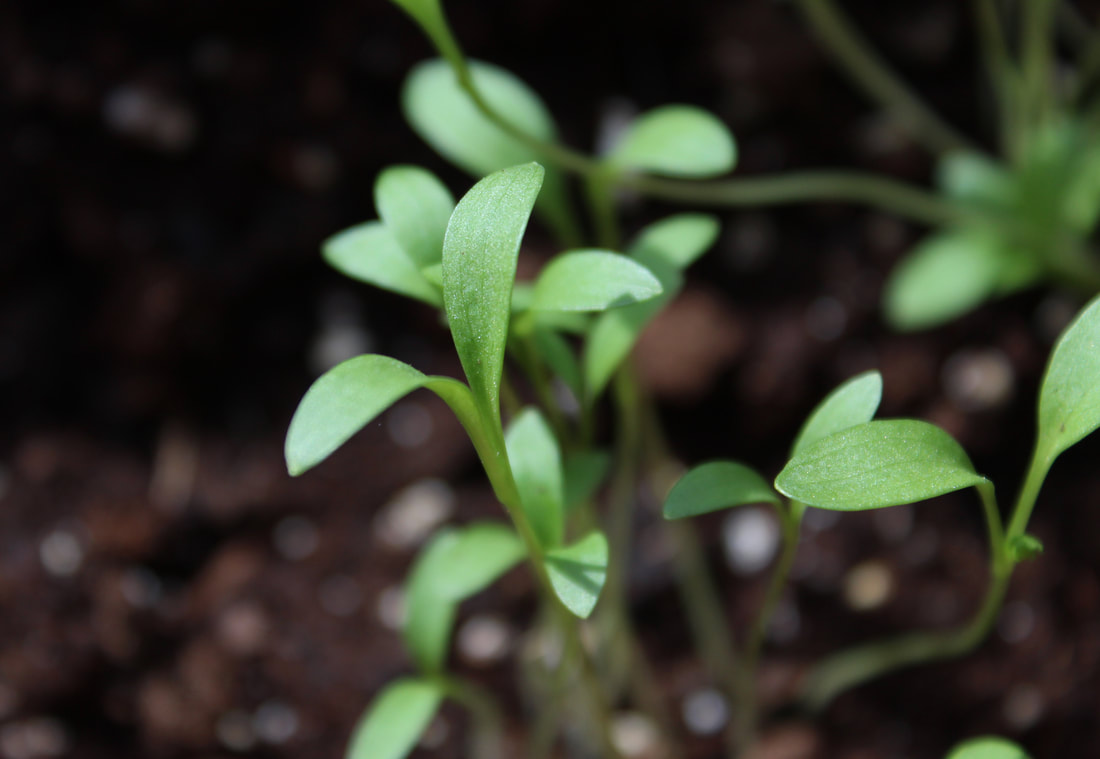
(584,472)
(483,552)
(987,748)
(1024,547)
(971,177)
(415,206)
(536,466)
(370,253)
(445,117)
(479,266)
(1069,399)
(559,356)
(678,240)
(677,140)
(881,463)
(395,721)
(716,485)
(592,280)
(578,572)
(854,402)
(945,276)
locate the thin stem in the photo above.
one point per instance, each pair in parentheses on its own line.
(869,71)
(1041,462)
(488,722)
(1037,52)
(999,67)
(599,189)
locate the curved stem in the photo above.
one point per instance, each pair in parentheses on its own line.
(1041,462)
(870,72)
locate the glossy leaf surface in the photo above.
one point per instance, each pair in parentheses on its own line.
(415,206)
(716,485)
(987,748)
(536,466)
(881,463)
(578,572)
(1069,399)
(479,266)
(392,726)
(677,140)
(592,280)
(370,253)
(854,402)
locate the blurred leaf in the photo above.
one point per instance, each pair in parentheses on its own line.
(578,572)
(677,140)
(393,724)
(973,178)
(987,748)
(1069,399)
(536,466)
(584,473)
(479,266)
(1024,547)
(881,463)
(592,280)
(559,356)
(854,402)
(679,240)
(429,15)
(717,485)
(370,253)
(415,207)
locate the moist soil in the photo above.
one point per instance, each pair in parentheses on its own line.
(170,170)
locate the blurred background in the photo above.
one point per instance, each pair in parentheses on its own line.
(168,171)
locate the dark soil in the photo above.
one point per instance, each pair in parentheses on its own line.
(168,172)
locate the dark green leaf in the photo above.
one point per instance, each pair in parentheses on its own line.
(1069,399)
(987,748)
(559,356)
(854,402)
(678,240)
(677,140)
(1024,547)
(415,207)
(592,280)
(882,463)
(395,721)
(716,485)
(578,572)
(584,472)
(479,266)
(536,465)
(370,253)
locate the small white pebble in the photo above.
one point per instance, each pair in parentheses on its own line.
(340,595)
(893,524)
(141,588)
(485,639)
(705,711)
(1016,622)
(1023,706)
(243,628)
(633,734)
(409,424)
(234,731)
(275,722)
(61,553)
(868,586)
(750,537)
(408,519)
(390,607)
(295,538)
(826,318)
(978,380)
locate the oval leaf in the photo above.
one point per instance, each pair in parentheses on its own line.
(971,177)
(1069,399)
(479,266)
(882,463)
(536,466)
(717,485)
(578,572)
(854,402)
(678,240)
(415,206)
(987,748)
(592,280)
(483,552)
(395,721)
(677,140)
(370,253)
(558,354)
(584,472)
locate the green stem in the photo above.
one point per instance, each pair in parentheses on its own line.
(999,67)
(487,740)
(600,191)
(1041,462)
(1037,52)
(870,72)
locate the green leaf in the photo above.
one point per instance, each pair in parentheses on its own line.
(973,178)
(592,280)
(536,466)
(584,472)
(445,117)
(677,140)
(455,564)
(987,748)
(479,266)
(578,572)
(341,402)
(395,721)
(559,356)
(854,402)
(370,253)
(1069,398)
(1024,547)
(945,276)
(415,206)
(881,463)
(716,485)
(678,240)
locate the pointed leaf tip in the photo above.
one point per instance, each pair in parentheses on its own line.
(1069,399)
(393,724)
(677,140)
(592,280)
(716,485)
(853,402)
(578,572)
